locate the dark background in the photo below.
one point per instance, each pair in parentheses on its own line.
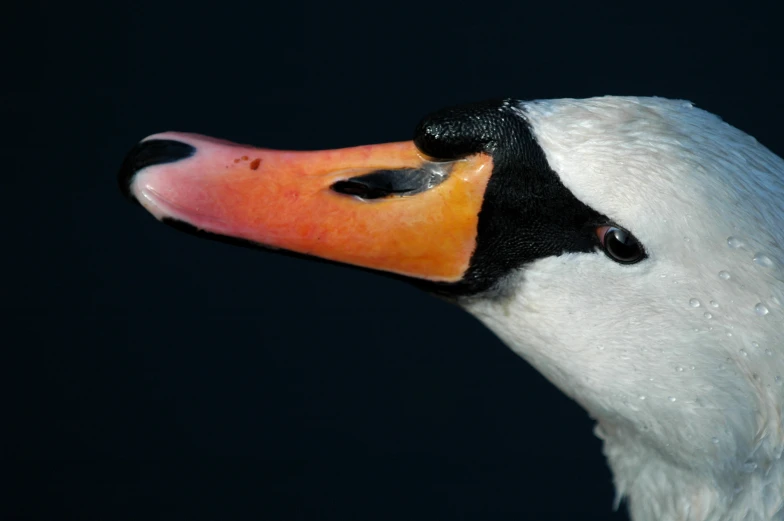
(151,375)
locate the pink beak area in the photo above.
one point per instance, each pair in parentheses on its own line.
(287,200)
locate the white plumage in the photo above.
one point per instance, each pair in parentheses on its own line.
(678,358)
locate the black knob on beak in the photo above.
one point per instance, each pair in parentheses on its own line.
(460,131)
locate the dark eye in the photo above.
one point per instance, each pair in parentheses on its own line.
(620,245)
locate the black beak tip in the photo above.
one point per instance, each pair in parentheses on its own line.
(149,153)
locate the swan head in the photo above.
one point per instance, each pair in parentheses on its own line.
(630,249)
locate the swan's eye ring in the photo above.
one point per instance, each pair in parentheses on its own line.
(620,245)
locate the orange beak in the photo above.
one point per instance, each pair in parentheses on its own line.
(294,200)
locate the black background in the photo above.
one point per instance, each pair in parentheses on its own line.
(151,375)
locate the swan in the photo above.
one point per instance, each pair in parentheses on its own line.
(629,248)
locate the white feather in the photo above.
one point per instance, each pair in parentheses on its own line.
(689,407)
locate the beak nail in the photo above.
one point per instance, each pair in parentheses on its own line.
(149,153)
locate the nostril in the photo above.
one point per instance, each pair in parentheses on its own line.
(401,181)
(149,153)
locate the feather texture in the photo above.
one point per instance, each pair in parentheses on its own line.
(679,358)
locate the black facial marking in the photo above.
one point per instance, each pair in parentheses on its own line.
(149,153)
(385,183)
(527,213)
